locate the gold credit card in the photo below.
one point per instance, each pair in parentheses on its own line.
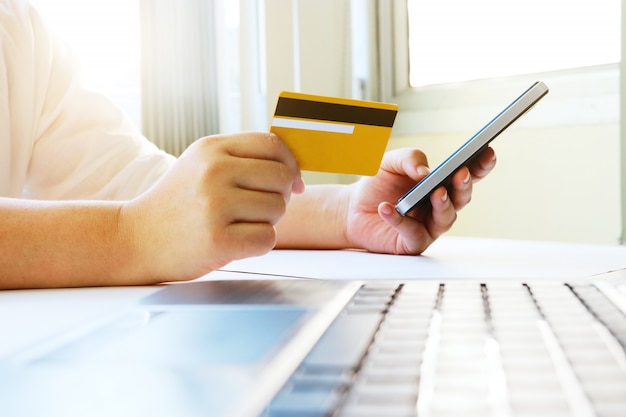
(332,134)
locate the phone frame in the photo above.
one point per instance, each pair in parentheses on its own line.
(474,145)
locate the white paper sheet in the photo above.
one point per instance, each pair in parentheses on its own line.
(447,258)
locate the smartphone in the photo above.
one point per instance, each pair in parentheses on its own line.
(440,175)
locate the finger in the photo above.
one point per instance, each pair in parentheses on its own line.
(460,189)
(412,237)
(410,162)
(482,165)
(264,175)
(247,206)
(258,145)
(244,240)
(443,214)
(265,146)
(287,157)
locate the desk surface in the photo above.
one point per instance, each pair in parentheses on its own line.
(33,323)
(30,316)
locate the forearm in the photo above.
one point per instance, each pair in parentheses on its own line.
(63,244)
(315,219)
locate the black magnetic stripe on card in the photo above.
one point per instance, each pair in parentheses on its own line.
(333,112)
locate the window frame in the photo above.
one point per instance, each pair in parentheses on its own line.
(578,96)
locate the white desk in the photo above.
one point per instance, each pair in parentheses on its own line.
(31,319)
(30,316)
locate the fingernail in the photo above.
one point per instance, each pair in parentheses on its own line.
(467,179)
(302,184)
(423,170)
(444,197)
(299,186)
(386,209)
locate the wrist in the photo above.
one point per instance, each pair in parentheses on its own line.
(316,219)
(131,237)
(344,198)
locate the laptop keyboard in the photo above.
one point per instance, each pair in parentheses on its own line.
(465,348)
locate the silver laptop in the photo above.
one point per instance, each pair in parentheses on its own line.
(308,348)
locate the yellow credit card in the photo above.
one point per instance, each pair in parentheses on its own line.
(332,134)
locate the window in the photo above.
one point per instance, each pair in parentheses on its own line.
(586,95)
(457,40)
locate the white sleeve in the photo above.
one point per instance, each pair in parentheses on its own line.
(64,142)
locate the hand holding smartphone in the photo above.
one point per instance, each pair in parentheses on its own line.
(440,175)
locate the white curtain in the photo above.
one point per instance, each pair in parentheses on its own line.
(178,71)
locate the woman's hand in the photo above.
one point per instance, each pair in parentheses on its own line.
(219,202)
(372,222)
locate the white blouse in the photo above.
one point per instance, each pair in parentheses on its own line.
(58,140)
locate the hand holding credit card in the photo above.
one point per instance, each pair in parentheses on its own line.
(332,134)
